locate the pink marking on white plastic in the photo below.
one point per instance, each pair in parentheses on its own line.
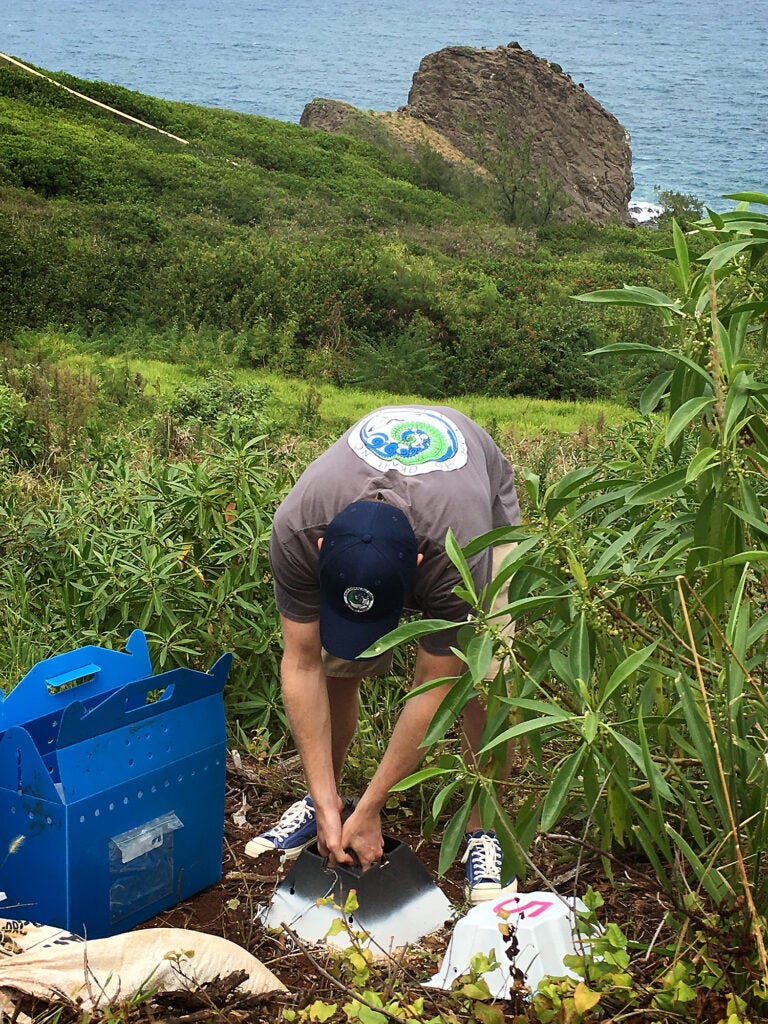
(540,905)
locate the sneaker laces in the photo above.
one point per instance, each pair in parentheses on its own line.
(484,853)
(292,819)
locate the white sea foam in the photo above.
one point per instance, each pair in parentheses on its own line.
(643,212)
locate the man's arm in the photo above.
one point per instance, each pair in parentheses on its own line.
(305,697)
(362,831)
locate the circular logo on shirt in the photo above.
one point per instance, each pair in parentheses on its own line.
(409,441)
(358,599)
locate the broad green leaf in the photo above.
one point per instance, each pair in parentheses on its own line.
(736,404)
(514,838)
(560,787)
(721,255)
(539,707)
(627,668)
(681,251)
(535,725)
(479,655)
(656,490)
(450,708)
(684,416)
(532,485)
(577,571)
(701,741)
(502,535)
(407,631)
(746,557)
(654,393)
(630,296)
(656,796)
(579,654)
(453,834)
(510,565)
(636,753)
(633,346)
(561,666)
(749,197)
(614,550)
(589,726)
(701,461)
(571,482)
(417,778)
(456,555)
(757,523)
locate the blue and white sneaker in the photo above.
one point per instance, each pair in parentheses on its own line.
(296,829)
(483,864)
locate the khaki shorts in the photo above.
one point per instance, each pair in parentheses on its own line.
(341,669)
(368,669)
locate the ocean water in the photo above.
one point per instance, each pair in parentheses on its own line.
(688,79)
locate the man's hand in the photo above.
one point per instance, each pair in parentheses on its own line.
(330,843)
(361,834)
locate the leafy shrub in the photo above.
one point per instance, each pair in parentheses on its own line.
(638,671)
(177,549)
(20,436)
(224,405)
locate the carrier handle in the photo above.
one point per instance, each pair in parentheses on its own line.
(47,687)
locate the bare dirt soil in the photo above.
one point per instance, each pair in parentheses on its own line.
(256,795)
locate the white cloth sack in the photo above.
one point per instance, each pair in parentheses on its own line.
(49,963)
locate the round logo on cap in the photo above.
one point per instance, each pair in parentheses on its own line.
(358,599)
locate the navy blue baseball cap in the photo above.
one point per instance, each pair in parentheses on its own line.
(367,564)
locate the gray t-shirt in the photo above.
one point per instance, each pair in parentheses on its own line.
(432,462)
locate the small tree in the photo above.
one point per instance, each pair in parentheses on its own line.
(529,194)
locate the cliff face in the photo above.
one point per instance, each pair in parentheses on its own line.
(572,135)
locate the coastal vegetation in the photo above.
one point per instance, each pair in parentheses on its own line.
(185,324)
(309,254)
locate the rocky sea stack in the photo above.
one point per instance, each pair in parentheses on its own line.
(573,136)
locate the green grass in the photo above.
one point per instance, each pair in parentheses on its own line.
(517,418)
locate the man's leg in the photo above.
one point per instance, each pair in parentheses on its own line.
(344,702)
